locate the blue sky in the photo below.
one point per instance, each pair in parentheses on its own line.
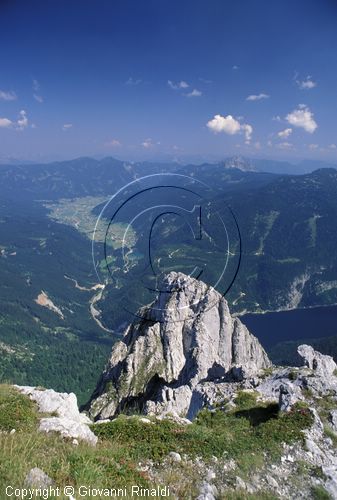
(155,79)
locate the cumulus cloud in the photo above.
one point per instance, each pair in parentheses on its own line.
(229,125)
(226,124)
(177,85)
(302,117)
(257,97)
(285,133)
(194,93)
(147,144)
(67,126)
(22,122)
(306,84)
(8,95)
(248,130)
(5,123)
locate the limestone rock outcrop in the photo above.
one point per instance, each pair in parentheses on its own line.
(322,364)
(186,337)
(66,418)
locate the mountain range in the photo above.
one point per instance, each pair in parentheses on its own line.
(53,302)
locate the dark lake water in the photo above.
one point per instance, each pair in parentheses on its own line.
(271,328)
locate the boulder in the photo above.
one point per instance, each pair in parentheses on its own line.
(68,428)
(186,337)
(37,479)
(288,396)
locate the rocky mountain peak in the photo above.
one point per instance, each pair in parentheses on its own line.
(243,164)
(186,338)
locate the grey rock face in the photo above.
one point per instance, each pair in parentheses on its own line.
(187,336)
(322,364)
(333,419)
(287,398)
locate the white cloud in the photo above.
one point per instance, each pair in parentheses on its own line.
(36,87)
(22,122)
(67,126)
(178,85)
(114,143)
(226,124)
(229,125)
(147,144)
(257,97)
(306,84)
(5,123)
(133,81)
(248,130)
(312,147)
(332,146)
(235,67)
(285,145)
(38,98)
(8,96)
(194,93)
(285,133)
(302,117)
(277,118)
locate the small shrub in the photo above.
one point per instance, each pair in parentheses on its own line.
(331,434)
(292,375)
(307,393)
(245,400)
(266,372)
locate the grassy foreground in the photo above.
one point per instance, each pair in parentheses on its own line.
(251,435)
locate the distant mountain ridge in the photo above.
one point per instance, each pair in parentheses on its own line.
(289,241)
(89,177)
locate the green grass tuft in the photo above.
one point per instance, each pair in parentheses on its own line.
(245,399)
(320,493)
(16,410)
